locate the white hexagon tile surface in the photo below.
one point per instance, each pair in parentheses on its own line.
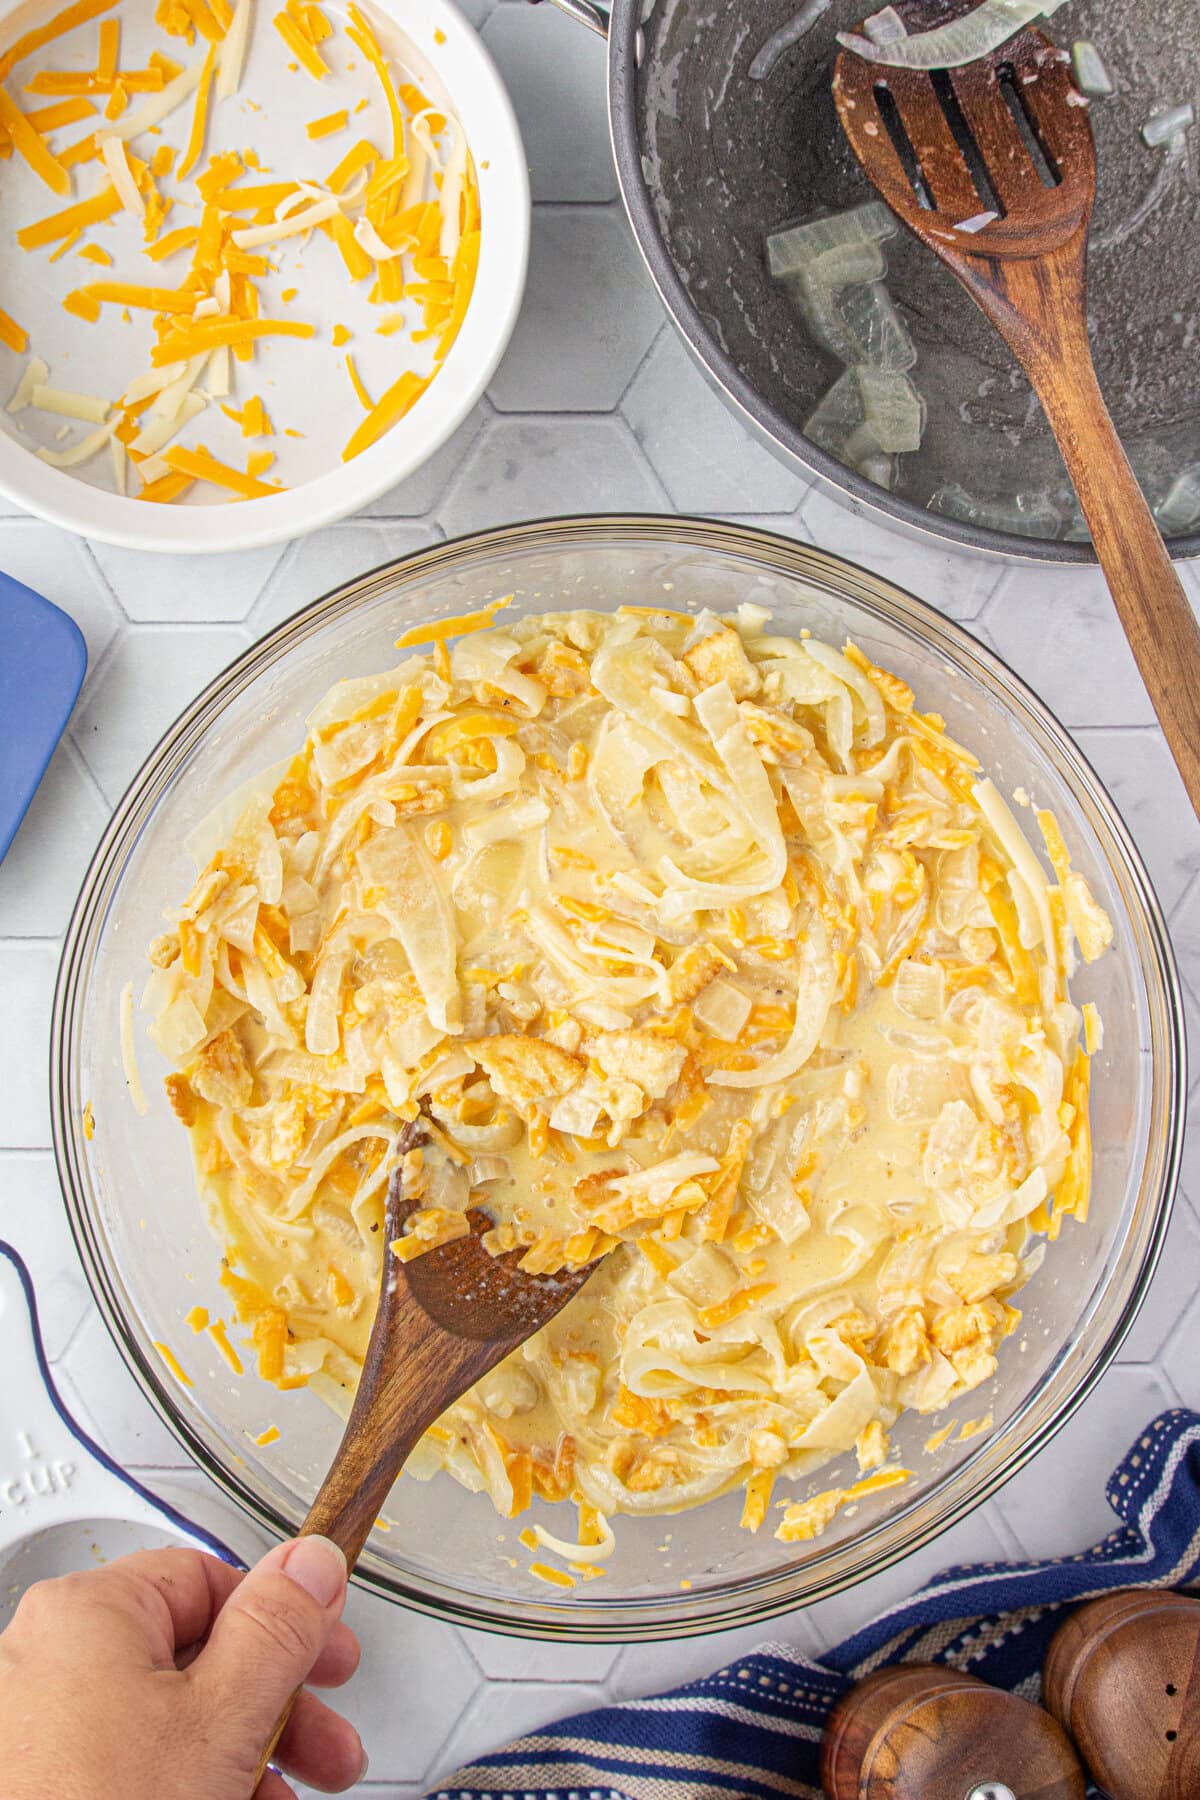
(595,407)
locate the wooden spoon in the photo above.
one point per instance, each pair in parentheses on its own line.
(443,1321)
(944,149)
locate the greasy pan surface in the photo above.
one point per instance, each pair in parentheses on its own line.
(712,161)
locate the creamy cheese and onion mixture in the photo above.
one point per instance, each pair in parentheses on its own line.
(705,954)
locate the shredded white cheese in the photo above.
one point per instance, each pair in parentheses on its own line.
(69,405)
(156,107)
(233,50)
(133,1079)
(161,430)
(112,149)
(252,236)
(81,452)
(32,375)
(120,465)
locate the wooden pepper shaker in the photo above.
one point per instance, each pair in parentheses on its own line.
(922,1732)
(1123,1678)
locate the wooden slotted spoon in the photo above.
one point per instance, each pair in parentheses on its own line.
(444,1320)
(961,154)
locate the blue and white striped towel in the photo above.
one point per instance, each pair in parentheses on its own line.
(754,1728)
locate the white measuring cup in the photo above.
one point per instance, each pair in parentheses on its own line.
(64,1503)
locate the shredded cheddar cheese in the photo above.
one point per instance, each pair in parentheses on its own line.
(301,46)
(255,421)
(195,143)
(328,124)
(173,1363)
(388,409)
(406,223)
(80,13)
(54,118)
(32,146)
(220,1336)
(166,488)
(184,237)
(201,466)
(211,334)
(553,1577)
(12,334)
(454,627)
(70,219)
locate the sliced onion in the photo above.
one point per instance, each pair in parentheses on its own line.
(302,1196)
(578,1552)
(785,37)
(813,1001)
(410,897)
(961,41)
(1180,509)
(886,27)
(796,249)
(976,222)
(1165,125)
(1091,76)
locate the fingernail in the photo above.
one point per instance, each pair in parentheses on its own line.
(366,1763)
(318,1566)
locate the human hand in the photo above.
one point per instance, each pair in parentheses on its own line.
(163,1675)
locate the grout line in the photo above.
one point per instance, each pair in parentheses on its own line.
(90,557)
(1150,729)
(1004,1531)
(77,1329)
(1184,901)
(185,627)
(76,755)
(655,341)
(96,667)
(613,204)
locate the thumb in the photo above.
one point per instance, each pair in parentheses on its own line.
(269,1633)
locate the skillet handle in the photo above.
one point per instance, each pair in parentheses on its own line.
(595,17)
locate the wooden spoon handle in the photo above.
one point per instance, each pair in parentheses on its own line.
(407,1382)
(356,1488)
(398,1397)
(345,1510)
(1150,599)
(1046,326)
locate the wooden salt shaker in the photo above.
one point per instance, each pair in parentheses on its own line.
(922,1732)
(1123,1678)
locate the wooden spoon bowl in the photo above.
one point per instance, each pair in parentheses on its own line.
(444,1319)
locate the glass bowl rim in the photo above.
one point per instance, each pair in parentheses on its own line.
(886,1541)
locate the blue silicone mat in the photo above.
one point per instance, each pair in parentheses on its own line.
(42,663)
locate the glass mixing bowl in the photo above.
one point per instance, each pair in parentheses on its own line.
(147,1249)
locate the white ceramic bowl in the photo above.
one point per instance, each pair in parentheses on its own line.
(462,67)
